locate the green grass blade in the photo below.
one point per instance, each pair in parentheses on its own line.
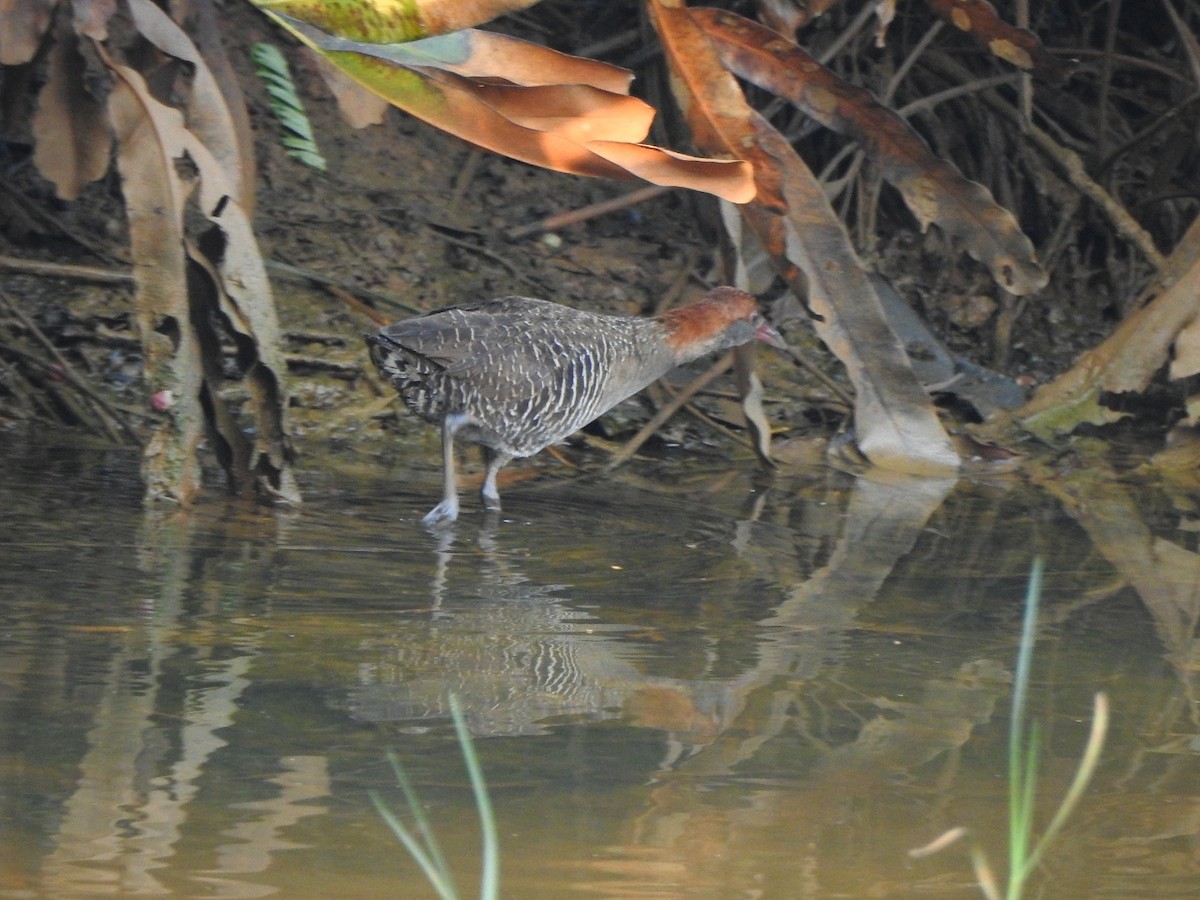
(1022,751)
(435,875)
(422,845)
(428,838)
(298,125)
(489,882)
(1083,776)
(1033,594)
(1022,817)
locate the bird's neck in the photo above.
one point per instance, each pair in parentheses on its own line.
(693,331)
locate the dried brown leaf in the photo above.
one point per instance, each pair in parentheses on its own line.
(390,21)
(70,128)
(725,178)
(161,140)
(895,423)
(1164,331)
(208,114)
(205,25)
(450,103)
(148,135)
(227,440)
(479,55)
(494,64)
(25,24)
(91,17)
(567,127)
(711,99)
(244,294)
(933,189)
(358,106)
(577,112)
(491,55)
(1014,45)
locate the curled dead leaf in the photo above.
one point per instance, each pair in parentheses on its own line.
(393,21)
(895,423)
(25,24)
(1018,46)
(933,189)
(547,120)
(72,139)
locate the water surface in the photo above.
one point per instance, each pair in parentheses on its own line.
(682,679)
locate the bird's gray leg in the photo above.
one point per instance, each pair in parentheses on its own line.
(447,510)
(494,460)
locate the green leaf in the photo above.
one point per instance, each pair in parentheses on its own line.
(287,106)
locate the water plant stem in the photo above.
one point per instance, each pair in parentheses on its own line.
(489,880)
(422,844)
(1024,748)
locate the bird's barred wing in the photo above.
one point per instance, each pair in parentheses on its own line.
(512,346)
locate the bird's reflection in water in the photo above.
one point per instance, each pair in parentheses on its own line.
(515,652)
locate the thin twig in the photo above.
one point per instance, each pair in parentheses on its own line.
(65,270)
(103,411)
(317,278)
(1106,76)
(357,305)
(847,34)
(974,86)
(115,276)
(1025,84)
(1153,127)
(1072,168)
(462,181)
(909,61)
(36,212)
(815,371)
(76,382)
(656,422)
(583,213)
(599,48)
(493,256)
(704,418)
(678,283)
(31,326)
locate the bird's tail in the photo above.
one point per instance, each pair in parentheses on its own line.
(396,362)
(381,346)
(380,340)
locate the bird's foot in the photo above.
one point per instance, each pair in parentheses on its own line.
(491,502)
(442,514)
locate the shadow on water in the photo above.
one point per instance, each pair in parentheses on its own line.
(682,681)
